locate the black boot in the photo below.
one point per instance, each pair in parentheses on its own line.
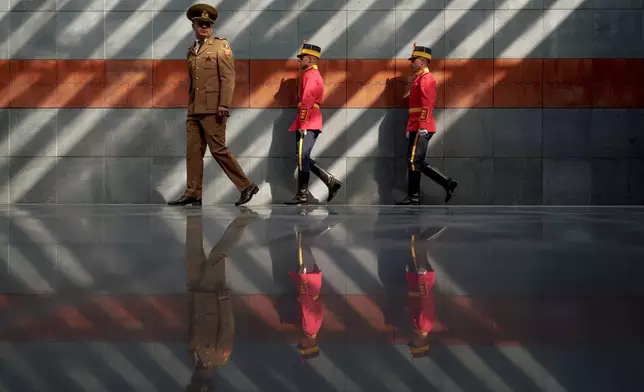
(328,180)
(302,195)
(185,200)
(441,179)
(413,190)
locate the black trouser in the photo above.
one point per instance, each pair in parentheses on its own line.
(304,145)
(416,151)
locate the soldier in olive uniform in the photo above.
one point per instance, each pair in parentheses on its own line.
(212,83)
(212,325)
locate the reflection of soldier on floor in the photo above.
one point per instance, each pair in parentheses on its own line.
(212,326)
(420,300)
(308,283)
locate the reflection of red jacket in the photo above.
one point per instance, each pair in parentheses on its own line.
(309,287)
(310,97)
(421,300)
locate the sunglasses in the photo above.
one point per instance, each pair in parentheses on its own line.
(205,25)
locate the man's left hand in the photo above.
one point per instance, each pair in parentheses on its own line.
(223,111)
(423,132)
(303,132)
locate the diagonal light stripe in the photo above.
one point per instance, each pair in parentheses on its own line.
(533,369)
(71,267)
(124,367)
(26,272)
(475,364)
(83,378)
(20,36)
(236,377)
(168,361)
(447,382)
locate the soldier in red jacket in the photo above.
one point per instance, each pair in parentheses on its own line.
(308,283)
(420,299)
(421,127)
(308,126)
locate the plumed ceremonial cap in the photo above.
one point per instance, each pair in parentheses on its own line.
(421,51)
(310,49)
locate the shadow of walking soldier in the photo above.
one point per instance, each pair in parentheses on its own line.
(375,177)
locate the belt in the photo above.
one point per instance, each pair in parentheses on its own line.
(315,105)
(416,110)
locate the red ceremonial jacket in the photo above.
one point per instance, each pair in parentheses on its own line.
(421,300)
(309,99)
(308,287)
(422,98)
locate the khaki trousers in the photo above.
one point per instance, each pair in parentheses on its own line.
(209,131)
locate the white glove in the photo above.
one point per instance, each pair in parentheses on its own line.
(407,135)
(423,132)
(303,132)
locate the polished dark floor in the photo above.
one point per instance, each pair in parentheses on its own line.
(96,298)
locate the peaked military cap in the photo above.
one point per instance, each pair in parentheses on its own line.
(421,51)
(310,49)
(202,13)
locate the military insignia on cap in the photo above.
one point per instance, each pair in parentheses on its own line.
(204,14)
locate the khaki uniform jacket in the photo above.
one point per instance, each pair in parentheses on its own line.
(212,76)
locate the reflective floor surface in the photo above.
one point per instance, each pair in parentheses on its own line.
(145,298)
